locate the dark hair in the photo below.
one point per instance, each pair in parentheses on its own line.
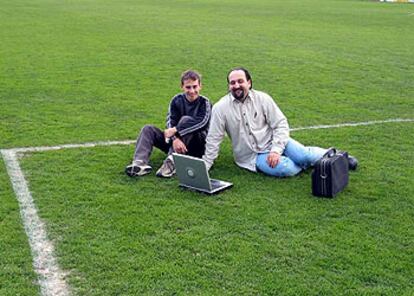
(246,72)
(190,75)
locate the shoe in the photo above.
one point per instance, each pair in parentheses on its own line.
(135,170)
(167,170)
(352,163)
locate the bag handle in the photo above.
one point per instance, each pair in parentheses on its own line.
(331,152)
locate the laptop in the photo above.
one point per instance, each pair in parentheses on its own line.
(192,173)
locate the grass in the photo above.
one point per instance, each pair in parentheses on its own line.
(264,236)
(16,276)
(78,71)
(73,70)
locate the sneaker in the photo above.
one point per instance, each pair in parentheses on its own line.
(135,170)
(352,163)
(167,170)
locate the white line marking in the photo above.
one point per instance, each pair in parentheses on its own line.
(128,142)
(51,278)
(65,146)
(352,124)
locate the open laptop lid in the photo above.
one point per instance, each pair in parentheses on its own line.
(192,173)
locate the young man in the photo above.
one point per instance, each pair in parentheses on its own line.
(187,125)
(259,131)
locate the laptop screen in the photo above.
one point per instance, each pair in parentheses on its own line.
(192,171)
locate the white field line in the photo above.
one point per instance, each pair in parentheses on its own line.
(128,142)
(66,146)
(352,124)
(51,278)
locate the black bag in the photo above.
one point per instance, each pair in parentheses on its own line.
(330,174)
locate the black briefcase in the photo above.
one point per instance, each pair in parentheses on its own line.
(330,174)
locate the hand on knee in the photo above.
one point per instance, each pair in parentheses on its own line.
(285,168)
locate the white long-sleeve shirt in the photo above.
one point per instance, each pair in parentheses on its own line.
(255,126)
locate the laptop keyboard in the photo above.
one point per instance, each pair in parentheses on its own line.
(215,183)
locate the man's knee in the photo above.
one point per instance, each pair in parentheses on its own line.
(184,120)
(151,133)
(285,168)
(148,129)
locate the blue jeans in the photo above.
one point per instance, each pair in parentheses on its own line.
(294,159)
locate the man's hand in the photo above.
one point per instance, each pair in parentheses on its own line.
(169,132)
(179,146)
(273,159)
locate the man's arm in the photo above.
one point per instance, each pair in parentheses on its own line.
(215,136)
(279,125)
(280,129)
(174,114)
(199,120)
(173,118)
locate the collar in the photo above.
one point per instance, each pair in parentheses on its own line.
(188,101)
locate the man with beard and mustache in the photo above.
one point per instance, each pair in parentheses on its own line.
(259,132)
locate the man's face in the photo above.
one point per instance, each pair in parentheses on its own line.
(191,89)
(238,84)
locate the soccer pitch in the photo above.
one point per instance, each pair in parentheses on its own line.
(89,71)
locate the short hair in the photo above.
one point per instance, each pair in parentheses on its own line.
(190,75)
(246,72)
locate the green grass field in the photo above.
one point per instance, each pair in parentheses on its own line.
(82,71)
